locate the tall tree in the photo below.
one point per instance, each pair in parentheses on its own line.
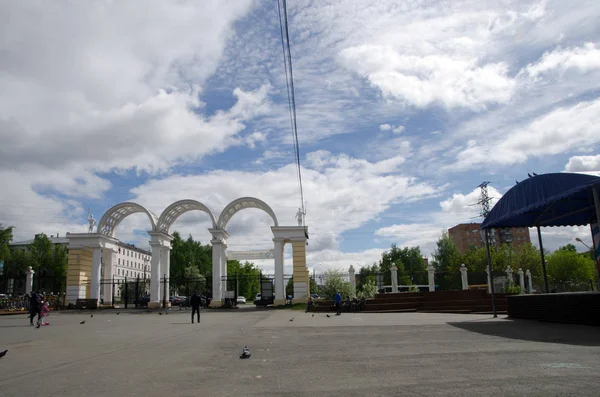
(185,254)
(334,282)
(6,236)
(446,256)
(41,253)
(410,264)
(248,278)
(569,271)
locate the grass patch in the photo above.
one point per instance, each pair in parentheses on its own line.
(295,306)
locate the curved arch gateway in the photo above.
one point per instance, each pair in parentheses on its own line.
(92,256)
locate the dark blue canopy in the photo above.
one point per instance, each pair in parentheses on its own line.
(559,199)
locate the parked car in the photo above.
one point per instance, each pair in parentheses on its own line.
(241,299)
(175,300)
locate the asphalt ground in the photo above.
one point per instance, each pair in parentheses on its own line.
(363,354)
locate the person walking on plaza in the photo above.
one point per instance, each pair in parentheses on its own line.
(34,306)
(195,302)
(44,312)
(338,303)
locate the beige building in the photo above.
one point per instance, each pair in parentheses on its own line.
(465,235)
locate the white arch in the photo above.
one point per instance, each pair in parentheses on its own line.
(178,208)
(244,202)
(115,215)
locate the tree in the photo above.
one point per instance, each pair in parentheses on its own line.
(367,290)
(446,256)
(41,253)
(186,253)
(334,282)
(410,264)
(569,247)
(568,270)
(368,273)
(6,236)
(248,278)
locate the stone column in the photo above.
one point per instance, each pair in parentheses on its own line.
(489,280)
(394,271)
(431,274)
(301,277)
(95,284)
(279,282)
(351,275)
(155,271)
(109,263)
(464,278)
(521,280)
(528,274)
(219,266)
(165,268)
(509,275)
(29,280)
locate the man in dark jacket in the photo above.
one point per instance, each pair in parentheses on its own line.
(195,302)
(35,306)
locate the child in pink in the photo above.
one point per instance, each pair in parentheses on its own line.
(45,312)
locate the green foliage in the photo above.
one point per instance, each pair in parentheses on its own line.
(569,247)
(334,282)
(446,256)
(413,288)
(367,290)
(41,253)
(511,288)
(194,281)
(410,264)
(566,267)
(368,274)
(5,239)
(185,254)
(248,277)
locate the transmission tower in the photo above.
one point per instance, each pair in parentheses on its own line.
(484,201)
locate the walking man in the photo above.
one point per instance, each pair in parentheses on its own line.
(338,303)
(35,306)
(195,302)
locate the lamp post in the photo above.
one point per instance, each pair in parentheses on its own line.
(593,252)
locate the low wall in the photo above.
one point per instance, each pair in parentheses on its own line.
(570,307)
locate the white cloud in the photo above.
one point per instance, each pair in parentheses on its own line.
(254,138)
(583,164)
(583,59)
(460,208)
(564,128)
(426,80)
(396,129)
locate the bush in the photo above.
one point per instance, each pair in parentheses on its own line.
(367,290)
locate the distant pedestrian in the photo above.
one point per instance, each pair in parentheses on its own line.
(35,303)
(195,302)
(44,312)
(338,303)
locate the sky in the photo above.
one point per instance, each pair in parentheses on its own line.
(403,109)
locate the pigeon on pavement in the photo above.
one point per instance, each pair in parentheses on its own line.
(91,315)
(245,353)
(292,319)
(83,322)
(2,354)
(328,315)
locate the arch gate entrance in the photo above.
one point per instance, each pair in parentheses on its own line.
(91,254)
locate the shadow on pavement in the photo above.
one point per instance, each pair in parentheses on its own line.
(568,334)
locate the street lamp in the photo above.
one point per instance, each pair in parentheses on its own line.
(581,241)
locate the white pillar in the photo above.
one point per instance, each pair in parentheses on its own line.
(96,264)
(351,275)
(528,274)
(155,275)
(109,263)
(464,278)
(165,268)
(489,280)
(279,282)
(509,275)
(224,264)
(394,271)
(217,286)
(29,280)
(521,280)
(431,274)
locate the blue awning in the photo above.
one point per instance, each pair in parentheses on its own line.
(557,199)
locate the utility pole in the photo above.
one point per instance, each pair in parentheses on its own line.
(484,201)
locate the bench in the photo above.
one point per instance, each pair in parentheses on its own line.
(86,304)
(479,286)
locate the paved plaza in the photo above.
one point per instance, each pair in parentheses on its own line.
(408,354)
